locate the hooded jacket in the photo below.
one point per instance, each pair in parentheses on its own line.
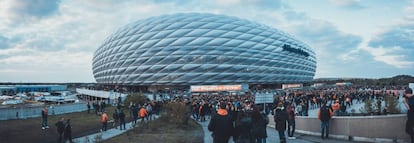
(221,125)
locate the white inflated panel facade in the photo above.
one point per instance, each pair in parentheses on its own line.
(194,48)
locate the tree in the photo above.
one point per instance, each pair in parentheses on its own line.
(137,98)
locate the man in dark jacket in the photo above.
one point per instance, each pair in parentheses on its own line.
(325,113)
(243,127)
(260,121)
(281,118)
(221,125)
(68,132)
(60,128)
(121,120)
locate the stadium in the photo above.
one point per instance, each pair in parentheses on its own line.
(201,49)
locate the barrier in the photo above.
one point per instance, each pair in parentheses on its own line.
(24,112)
(388,128)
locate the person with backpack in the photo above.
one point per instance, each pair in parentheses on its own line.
(243,126)
(68,132)
(221,125)
(260,121)
(325,113)
(281,118)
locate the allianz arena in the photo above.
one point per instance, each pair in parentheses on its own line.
(201,49)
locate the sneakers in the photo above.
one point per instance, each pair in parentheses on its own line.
(47,127)
(291,138)
(43,128)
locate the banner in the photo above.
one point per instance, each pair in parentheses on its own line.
(209,88)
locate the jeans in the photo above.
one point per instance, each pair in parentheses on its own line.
(282,136)
(291,127)
(104,126)
(44,122)
(122,123)
(324,126)
(260,140)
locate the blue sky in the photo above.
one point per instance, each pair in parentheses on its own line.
(54,41)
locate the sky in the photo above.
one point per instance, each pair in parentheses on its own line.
(54,41)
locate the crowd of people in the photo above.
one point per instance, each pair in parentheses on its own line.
(329,101)
(237,117)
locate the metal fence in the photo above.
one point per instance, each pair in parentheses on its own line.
(24,112)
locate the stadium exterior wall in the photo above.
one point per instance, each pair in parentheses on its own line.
(201,49)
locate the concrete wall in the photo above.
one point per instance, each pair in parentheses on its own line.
(363,128)
(30,112)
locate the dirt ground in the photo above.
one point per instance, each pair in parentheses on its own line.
(160,131)
(29,130)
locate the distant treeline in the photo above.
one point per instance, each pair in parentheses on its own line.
(393,81)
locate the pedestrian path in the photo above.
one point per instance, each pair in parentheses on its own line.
(103,135)
(110,133)
(273,137)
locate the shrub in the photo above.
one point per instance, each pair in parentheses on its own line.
(137,98)
(176,113)
(391,103)
(368,107)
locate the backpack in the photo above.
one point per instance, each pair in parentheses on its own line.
(325,113)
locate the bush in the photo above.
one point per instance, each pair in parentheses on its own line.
(391,103)
(176,113)
(137,98)
(368,107)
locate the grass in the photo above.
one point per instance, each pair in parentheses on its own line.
(29,130)
(162,131)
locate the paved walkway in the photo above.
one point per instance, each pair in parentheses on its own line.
(110,133)
(273,137)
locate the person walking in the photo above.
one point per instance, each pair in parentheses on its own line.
(143,113)
(122,120)
(115,116)
(291,120)
(260,121)
(281,118)
(68,132)
(149,111)
(135,113)
(60,125)
(325,114)
(409,104)
(243,127)
(44,118)
(104,120)
(221,125)
(88,105)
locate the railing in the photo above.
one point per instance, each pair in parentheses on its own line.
(24,112)
(389,128)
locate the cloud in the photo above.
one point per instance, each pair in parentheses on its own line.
(348,4)
(16,11)
(395,45)
(327,40)
(58,43)
(4,42)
